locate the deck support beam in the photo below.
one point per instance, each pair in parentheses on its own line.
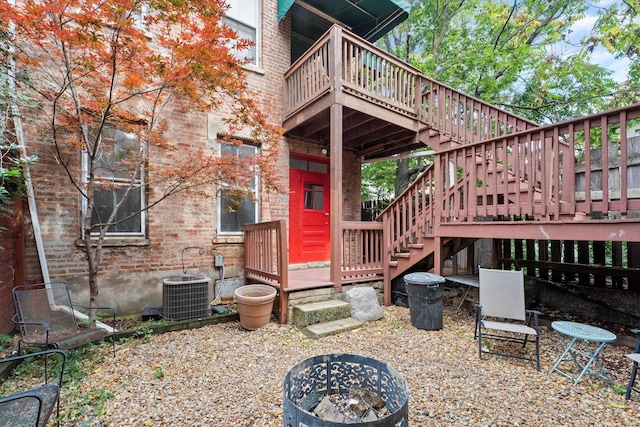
(336,116)
(335,170)
(437,255)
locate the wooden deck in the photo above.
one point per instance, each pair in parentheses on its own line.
(309,278)
(390,107)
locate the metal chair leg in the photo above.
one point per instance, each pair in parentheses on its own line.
(632,380)
(479,340)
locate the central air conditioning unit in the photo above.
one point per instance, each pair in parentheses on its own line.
(185,297)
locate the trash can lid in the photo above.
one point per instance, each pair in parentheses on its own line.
(422,278)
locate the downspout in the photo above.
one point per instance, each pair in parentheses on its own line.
(33,211)
(17,123)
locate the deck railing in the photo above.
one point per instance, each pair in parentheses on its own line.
(308,78)
(361,255)
(265,253)
(463,118)
(536,174)
(542,172)
(410,216)
(340,60)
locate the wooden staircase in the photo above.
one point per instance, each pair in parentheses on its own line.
(531,176)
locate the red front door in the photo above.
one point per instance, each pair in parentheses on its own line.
(308,216)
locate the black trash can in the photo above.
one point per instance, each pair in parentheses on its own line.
(425,291)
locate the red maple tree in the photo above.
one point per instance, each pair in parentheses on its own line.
(95,64)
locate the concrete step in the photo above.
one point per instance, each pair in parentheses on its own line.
(318,312)
(320,330)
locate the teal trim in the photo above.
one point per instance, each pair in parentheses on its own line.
(369,19)
(400,3)
(285,5)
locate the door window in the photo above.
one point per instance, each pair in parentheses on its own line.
(314,196)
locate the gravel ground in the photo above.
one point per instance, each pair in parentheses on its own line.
(222,375)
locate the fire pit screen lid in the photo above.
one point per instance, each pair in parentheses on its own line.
(334,374)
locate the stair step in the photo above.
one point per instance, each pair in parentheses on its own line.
(402,255)
(333,327)
(415,246)
(321,311)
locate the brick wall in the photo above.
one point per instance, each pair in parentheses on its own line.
(131,276)
(351,194)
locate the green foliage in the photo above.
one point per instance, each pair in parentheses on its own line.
(618,31)
(4,340)
(619,389)
(522,56)
(81,406)
(12,180)
(158,372)
(145,331)
(11,163)
(86,406)
(514,54)
(378,180)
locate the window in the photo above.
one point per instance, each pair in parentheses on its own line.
(235,208)
(243,17)
(309,165)
(313,196)
(140,15)
(115,170)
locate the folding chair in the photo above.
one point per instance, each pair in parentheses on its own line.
(46,317)
(635,356)
(34,407)
(501,310)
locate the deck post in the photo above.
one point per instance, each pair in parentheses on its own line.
(386,266)
(437,255)
(335,169)
(335,161)
(283,269)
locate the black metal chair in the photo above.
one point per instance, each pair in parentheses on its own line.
(35,406)
(46,317)
(635,356)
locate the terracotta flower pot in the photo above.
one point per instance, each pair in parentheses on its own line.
(255,303)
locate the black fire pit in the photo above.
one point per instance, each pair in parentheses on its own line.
(316,378)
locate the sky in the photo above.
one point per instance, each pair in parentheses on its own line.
(583,27)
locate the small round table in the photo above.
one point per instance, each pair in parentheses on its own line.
(582,335)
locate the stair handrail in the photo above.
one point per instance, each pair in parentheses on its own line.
(464,118)
(409,216)
(531,174)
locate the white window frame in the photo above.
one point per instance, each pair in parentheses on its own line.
(256,195)
(140,15)
(237,15)
(143,200)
